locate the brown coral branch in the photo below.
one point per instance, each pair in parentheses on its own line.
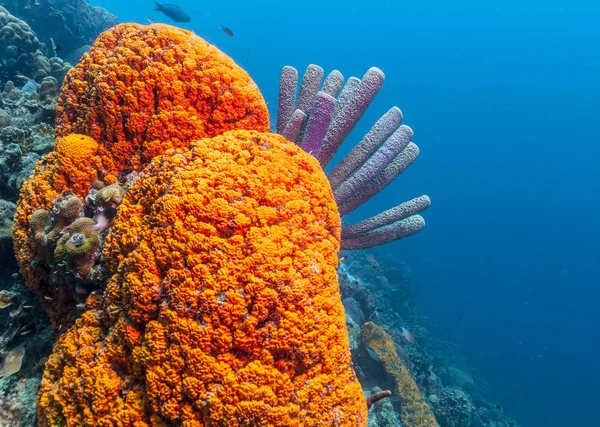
(377,397)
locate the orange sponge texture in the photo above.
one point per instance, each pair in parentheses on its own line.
(138,92)
(143,89)
(223,308)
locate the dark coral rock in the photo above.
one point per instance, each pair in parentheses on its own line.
(10,94)
(20,49)
(7,213)
(4,119)
(70,23)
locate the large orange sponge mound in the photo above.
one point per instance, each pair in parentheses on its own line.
(143,89)
(223,308)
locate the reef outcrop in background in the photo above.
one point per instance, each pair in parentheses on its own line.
(71,24)
(22,55)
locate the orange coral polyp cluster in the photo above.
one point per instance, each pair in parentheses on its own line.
(224,308)
(143,89)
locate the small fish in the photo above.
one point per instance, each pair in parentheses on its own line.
(379,310)
(24,333)
(561,268)
(173,11)
(408,336)
(150,21)
(342,258)
(227,31)
(22,77)
(56,48)
(48,298)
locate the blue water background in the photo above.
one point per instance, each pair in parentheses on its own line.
(504,98)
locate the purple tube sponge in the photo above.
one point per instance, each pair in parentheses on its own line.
(292,129)
(398,230)
(333,83)
(380,132)
(311,82)
(395,168)
(375,165)
(287,96)
(318,123)
(385,218)
(350,114)
(346,95)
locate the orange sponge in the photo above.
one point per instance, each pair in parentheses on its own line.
(143,89)
(224,308)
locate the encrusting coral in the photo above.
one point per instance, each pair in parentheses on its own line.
(224,307)
(415,411)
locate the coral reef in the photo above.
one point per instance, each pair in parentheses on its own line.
(25,341)
(78,246)
(22,55)
(223,307)
(31,105)
(17,403)
(378,289)
(25,131)
(455,409)
(18,42)
(415,411)
(69,23)
(143,89)
(7,214)
(50,201)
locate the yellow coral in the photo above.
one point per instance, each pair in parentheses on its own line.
(415,411)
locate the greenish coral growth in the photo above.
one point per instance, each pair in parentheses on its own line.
(415,411)
(78,246)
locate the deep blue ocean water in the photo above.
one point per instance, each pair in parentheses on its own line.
(504,98)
